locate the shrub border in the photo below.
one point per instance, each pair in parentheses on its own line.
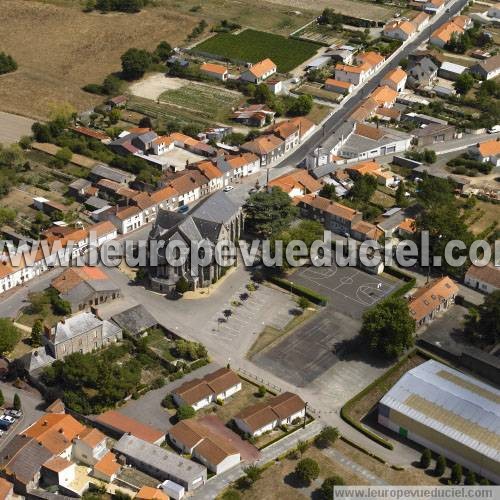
(300,290)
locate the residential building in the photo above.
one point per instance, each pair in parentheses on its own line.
(370,60)
(160,463)
(118,424)
(216,71)
(216,219)
(383,176)
(399,29)
(102,171)
(421,20)
(254,115)
(190,186)
(84,332)
(395,79)
(351,74)
(80,189)
(163,144)
(366,109)
(240,165)
(89,446)
(215,386)
(338,86)
(433,133)
(84,287)
(422,72)
(334,216)
(285,409)
(487,151)
(388,114)
(212,450)
(451,71)
(435,297)
(118,101)
(259,72)
(407,228)
(483,278)
(268,148)
(125,219)
(275,85)
(6,489)
(58,472)
(150,493)
(92,133)
(296,183)
(107,468)
(433,6)
(488,69)
(210,170)
(135,320)
(384,96)
(363,231)
(444,33)
(449,412)
(292,132)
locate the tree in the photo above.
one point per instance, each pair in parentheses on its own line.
(252,473)
(456,474)
(302,446)
(326,437)
(363,188)
(7,215)
(114,116)
(2,398)
(262,391)
(7,63)
(485,323)
(10,336)
(326,490)
(262,94)
(269,212)
(145,122)
(135,63)
(111,85)
(400,194)
(425,459)
(301,106)
(182,285)
(184,412)
(470,479)
(64,155)
(17,402)
(464,83)
(328,191)
(163,50)
(36,333)
(307,470)
(388,328)
(303,303)
(440,466)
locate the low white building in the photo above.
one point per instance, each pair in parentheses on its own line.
(259,72)
(485,278)
(216,71)
(59,472)
(487,151)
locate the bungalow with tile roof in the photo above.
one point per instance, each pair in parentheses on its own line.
(435,297)
(107,468)
(200,392)
(370,60)
(483,278)
(374,169)
(150,493)
(395,79)
(407,228)
(163,144)
(351,74)
(84,287)
(268,148)
(384,96)
(259,72)
(212,450)
(285,409)
(338,86)
(456,26)
(487,151)
(399,29)
(92,133)
(296,183)
(217,71)
(364,230)
(334,216)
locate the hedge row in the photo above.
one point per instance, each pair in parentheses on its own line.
(409,280)
(300,290)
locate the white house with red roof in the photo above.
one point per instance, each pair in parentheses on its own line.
(259,72)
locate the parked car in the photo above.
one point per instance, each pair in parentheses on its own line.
(494,129)
(228,188)
(14,413)
(183,209)
(7,418)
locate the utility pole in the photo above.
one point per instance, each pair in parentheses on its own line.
(305,416)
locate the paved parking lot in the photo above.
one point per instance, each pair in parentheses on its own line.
(319,344)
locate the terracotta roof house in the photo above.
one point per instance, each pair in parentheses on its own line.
(292,131)
(370,60)
(384,96)
(92,133)
(297,183)
(216,453)
(107,468)
(259,72)
(6,489)
(338,86)
(351,74)
(395,79)
(216,71)
(267,147)
(487,151)
(407,227)
(484,278)
(61,473)
(200,392)
(399,29)
(420,20)
(149,493)
(372,168)
(120,424)
(364,230)
(254,115)
(89,447)
(262,417)
(84,287)
(428,301)
(443,34)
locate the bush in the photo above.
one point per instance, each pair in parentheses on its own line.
(440,466)
(184,412)
(326,437)
(299,290)
(7,63)
(168,402)
(303,303)
(425,459)
(262,391)
(93,88)
(231,495)
(470,479)
(456,474)
(326,490)
(158,383)
(307,470)
(182,285)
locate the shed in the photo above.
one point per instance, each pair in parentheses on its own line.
(135,320)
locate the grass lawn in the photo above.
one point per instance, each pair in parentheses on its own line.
(383,199)
(318,113)
(210,102)
(483,216)
(253,46)
(160,344)
(316,90)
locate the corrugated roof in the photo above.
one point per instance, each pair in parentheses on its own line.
(452,403)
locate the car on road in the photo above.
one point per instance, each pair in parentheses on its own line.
(228,188)
(183,209)
(252,191)
(494,130)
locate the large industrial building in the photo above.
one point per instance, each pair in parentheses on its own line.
(448,412)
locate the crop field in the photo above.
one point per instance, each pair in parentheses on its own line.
(253,46)
(211,103)
(322,34)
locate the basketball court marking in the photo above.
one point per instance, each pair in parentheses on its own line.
(320,273)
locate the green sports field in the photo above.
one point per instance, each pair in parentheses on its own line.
(253,46)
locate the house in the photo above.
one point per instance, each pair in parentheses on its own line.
(383,176)
(487,151)
(421,20)
(119,424)
(444,33)
(92,134)
(451,71)
(254,115)
(240,165)
(340,55)
(119,101)
(58,472)
(433,6)
(395,79)
(388,114)
(216,71)
(370,60)
(365,110)
(368,141)
(338,86)
(407,228)
(102,171)
(216,219)
(79,189)
(488,69)
(293,131)
(163,144)
(259,72)
(84,287)
(214,451)
(89,447)
(431,299)
(334,216)
(433,133)
(422,72)
(210,170)
(190,186)
(125,219)
(160,463)
(363,231)
(268,148)
(198,393)
(6,489)
(399,29)
(136,320)
(84,332)
(275,85)
(296,183)
(107,468)
(351,74)
(384,96)
(285,409)
(173,490)
(150,493)
(48,206)
(484,278)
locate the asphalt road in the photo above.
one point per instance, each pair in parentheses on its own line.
(339,116)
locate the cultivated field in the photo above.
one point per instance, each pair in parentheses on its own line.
(59,49)
(13,127)
(253,46)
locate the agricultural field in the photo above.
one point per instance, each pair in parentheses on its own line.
(322,34)
(253,46)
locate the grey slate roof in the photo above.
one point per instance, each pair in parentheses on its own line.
(135,320)
(323,170)
(167,464)
(113,174)
(217,208)
(80,184)
(37,359)
(96,202)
